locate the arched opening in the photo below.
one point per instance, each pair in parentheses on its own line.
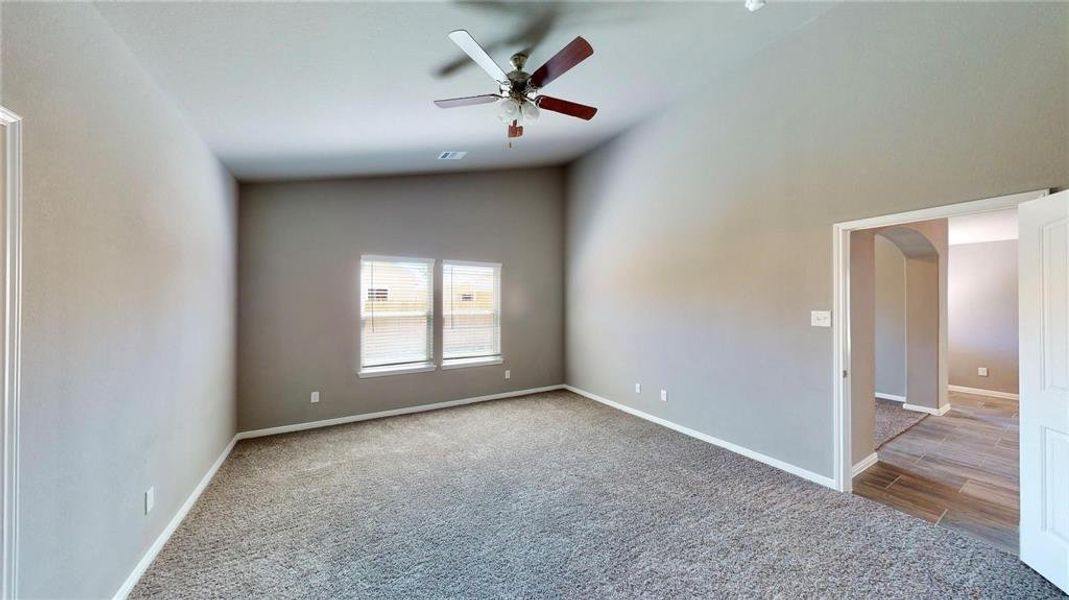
(923,364)
(925,328)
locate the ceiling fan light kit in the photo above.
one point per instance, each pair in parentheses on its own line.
(518,100)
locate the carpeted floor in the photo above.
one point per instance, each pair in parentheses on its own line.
(892,420)
(549,496)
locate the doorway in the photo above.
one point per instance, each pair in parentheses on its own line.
(1043,343)
(940,296)
(901,440)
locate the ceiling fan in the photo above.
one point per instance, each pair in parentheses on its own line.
(518,99)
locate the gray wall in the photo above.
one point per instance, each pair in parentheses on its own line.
(983,315)
(926,326)
(699,242)
(299,314)
(890,318)
(129,294)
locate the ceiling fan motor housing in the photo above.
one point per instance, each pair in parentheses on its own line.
(518,80)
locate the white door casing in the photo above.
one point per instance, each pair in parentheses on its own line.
(841,355)
(10,344)
(1044,385)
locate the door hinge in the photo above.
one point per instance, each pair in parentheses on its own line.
(844,374)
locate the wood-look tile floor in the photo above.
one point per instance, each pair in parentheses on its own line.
(958,470)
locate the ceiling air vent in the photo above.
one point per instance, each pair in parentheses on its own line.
(451,155)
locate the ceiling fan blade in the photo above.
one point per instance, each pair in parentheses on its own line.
(472,48)
(564,107)
(574,53)
(467,101)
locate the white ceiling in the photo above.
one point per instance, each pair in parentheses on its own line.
(992,226)
(299,90)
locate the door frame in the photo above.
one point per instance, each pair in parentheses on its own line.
(10,346)
(842,469)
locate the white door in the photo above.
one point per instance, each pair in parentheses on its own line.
(1044,411)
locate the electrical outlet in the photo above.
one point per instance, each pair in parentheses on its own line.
(150,499)
(664,395)
(982,371)
(508,374)
(315,397)
(638,388)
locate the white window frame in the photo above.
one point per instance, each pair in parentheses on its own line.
(474,361)
(381,371)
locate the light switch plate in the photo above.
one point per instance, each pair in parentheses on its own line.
(638,388)
(315,397)
(982,371)
(820,318)
(150,499)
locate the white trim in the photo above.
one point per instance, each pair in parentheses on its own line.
(841,308)
(379,257)
(470,263)
(11,350)
(864,464)
(390,413)
(161,540)
(475,361)
(768,460)
(982,392)
(395,370)
(945,211)
(891,397)
(840,344)
(942,410)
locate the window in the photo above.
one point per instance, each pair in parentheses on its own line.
(471,311)
(396,315)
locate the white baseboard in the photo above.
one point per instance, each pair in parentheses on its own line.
(244,435)
(768,460)
(980,392)
(161,540)
(925,409)
(863,464)
(165,535)
(890,397)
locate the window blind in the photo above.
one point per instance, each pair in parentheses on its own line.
(396,312)
(471,307)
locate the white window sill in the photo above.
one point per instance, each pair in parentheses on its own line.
(463,363)
(399,370)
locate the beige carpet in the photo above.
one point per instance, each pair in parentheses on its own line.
(549,496)
(892,420)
